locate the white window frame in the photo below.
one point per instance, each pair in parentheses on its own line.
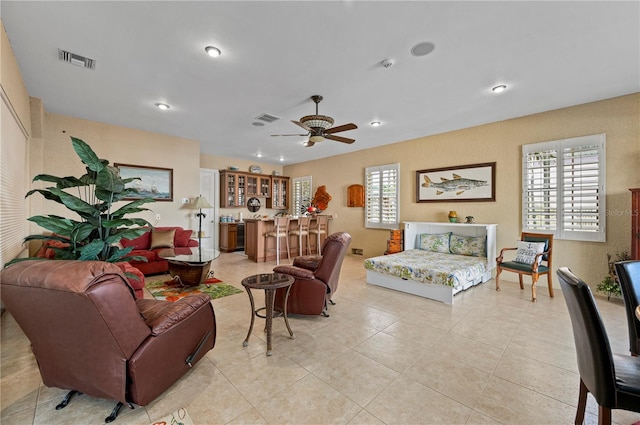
(301,189)
(377,215)
(554,201)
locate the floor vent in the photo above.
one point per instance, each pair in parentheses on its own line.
(267,118)
(77,60)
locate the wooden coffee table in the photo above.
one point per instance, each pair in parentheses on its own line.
(269,282)
(189,266)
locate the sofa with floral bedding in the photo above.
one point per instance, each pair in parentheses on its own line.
(154,240)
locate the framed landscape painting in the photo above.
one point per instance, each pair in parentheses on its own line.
(467,183)
(153,182)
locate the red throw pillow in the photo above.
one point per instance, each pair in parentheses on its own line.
(141,242)
(182,237)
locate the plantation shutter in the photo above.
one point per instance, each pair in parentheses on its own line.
(563,188)
(301,189)
(582,188)
(382,192)
(13,178)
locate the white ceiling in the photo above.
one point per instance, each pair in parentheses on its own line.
(275,55)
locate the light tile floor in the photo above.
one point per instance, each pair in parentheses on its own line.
(382,357)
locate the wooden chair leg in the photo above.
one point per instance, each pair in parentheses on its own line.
(498,271)
(534,280)
(550,283)
(604,415)
(582,403)
(520,280)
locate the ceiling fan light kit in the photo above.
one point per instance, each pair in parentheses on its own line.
(319,127)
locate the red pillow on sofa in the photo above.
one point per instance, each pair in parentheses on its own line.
(182,237)
(141,242)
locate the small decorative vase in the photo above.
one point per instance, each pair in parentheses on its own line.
(469,219)
(453,216)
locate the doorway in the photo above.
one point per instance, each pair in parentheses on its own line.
(209,184)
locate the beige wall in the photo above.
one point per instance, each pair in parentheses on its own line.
(498,142)
(127,146)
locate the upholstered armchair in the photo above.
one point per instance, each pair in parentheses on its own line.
(533,258)
(90,335)
(316,278)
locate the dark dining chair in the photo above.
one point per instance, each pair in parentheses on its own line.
(612,379)
(629,278)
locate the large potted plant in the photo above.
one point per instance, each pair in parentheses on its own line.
(100,226)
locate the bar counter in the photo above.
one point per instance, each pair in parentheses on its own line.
(255,229)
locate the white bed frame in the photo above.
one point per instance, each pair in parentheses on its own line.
(438,292)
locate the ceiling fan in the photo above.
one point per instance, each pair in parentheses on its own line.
(318,127)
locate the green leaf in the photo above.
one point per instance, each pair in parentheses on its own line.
(81,231)
(119,254)
(109,179)
(47,195)
(61,182)
(92,250)
(54,224)
(87,155)
(74,203)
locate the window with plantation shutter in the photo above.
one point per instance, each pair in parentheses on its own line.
(563,188)
(301,190)
(382,192)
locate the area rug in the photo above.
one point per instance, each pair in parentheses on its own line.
(171,290)
(179,417)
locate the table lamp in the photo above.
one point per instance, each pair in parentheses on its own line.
(198,204)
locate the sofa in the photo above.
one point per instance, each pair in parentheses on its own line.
(154,240)
(90,335)
(134,276)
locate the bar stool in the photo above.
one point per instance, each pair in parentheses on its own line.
(280,230)
(300,231)
(321,228)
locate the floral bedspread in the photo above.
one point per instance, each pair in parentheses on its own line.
(429,267)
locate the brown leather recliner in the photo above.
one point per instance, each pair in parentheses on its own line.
(316,278)
(90,335)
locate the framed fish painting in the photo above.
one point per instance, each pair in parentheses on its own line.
(465,183)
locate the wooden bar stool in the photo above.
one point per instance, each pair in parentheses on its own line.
(321,228)
(279,231)
(300,231)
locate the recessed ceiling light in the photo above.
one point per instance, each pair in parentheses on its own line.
(375,123)
(281,159)
(213,51)
(259,155)
(422,49)
(499,88)
(163,106)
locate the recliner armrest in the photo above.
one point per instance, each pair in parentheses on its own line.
(161,316)
(309,262)
(296,272)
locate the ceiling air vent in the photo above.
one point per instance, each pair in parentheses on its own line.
(267,118)
(77,60)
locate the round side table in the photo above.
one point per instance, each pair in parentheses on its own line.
(269,282)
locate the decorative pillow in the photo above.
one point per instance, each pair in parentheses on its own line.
(527,251)
(468,245)
(434,242)
(182,237)
(162,239)
(141,242)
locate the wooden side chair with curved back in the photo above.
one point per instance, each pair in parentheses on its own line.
(321,228)
(533,258)
(302,230)
(280,230)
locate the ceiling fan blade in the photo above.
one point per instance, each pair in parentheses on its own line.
(300,135)
(309,143)
(301,124)
(339,138)
(345,127)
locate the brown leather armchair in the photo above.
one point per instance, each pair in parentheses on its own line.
(316,278)
(90,335)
